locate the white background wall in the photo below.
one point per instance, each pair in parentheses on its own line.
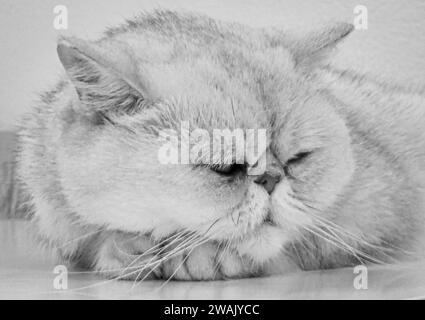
(393,46)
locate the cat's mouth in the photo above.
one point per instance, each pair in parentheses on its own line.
(268,219)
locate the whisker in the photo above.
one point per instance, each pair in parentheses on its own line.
(360,241)
(364,242)
(159,246)
(342,242)
(222,255)
(181,264)
(335,228)
(79,238)
(181,248)
(324,238)
(174,252)
(350,249)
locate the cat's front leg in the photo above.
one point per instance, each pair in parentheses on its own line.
(128,257)
(124,256)
(209,261)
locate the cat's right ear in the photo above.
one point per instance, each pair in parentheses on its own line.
(105,76)
(314,48)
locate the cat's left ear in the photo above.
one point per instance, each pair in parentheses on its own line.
(106,75)
(314,48)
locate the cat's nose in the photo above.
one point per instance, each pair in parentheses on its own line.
(268,180)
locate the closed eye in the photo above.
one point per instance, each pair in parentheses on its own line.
(229,169)
(298,158)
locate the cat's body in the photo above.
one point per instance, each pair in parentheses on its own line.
(350,155)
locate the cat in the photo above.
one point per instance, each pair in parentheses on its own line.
(344,177)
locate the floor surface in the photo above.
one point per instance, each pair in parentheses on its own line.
(27,272)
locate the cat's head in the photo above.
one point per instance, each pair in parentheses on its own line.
(134,100)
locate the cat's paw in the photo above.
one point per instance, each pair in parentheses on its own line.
(209,261)
(126,257)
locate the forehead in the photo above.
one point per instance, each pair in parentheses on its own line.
(217,84)
(222,86)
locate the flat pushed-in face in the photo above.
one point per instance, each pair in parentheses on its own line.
(225,137)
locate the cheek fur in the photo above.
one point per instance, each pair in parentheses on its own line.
(245,217)
(287,212)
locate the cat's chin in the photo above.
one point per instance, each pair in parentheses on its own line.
(263,244)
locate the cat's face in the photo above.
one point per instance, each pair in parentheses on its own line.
(110,160)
